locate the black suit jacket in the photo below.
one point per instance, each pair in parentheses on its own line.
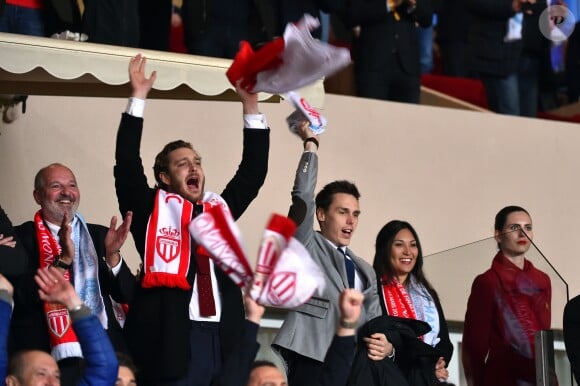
(13,261)
(488,52)
(571,327)
(158,325)
(28,329)
(381,35)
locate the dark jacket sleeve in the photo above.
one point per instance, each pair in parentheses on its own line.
(571,327)
(361,12)
(133,192)
(13,261)
(251,173)
(491,9)
(338,361)
(235,370)
(444,345)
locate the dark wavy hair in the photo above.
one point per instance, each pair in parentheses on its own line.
(382,261)
(161,164)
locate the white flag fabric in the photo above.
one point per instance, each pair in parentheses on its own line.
(286,276)
(304,111)
(294,280)
(288,64)
(220,236)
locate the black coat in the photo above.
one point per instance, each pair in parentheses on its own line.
(381,35)
(571,327)
(414,361)
(488,52)
(28,329)
(158,325)
(13,261)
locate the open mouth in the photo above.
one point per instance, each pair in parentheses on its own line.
(193,183)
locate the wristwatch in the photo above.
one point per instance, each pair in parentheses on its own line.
(58,263)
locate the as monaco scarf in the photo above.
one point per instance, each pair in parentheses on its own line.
(62,337)
(397,300)
(63,340)
(168,244)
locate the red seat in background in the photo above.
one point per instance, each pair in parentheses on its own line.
(465,89)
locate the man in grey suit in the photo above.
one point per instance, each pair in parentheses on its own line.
(308,331)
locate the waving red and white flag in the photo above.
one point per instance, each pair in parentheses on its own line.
(220,236)
(285,277)
(288,63)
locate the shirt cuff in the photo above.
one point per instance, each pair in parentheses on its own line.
(255,121)
(392,356)
(115,270)
(136,107)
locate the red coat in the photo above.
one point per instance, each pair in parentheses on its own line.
(506,307)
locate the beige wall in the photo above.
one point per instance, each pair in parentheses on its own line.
(446,171)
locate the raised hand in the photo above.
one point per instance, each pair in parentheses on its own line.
(254,310)
(53,287)
(140,84)
(350,303)
(67,246)
(115,238)
(249,99)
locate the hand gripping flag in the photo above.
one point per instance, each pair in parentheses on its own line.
(285,277)
(304,111)
(287,63)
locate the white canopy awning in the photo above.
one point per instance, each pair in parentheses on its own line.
(44,66)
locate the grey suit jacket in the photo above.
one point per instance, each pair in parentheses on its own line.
(309,329)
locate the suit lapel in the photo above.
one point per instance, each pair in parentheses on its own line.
(332,262)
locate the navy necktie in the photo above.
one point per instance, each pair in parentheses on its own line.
(349,264)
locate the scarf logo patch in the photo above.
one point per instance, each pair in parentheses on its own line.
(168,244)
(58,322)
(282,288)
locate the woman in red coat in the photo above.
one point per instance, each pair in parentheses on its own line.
(508,304)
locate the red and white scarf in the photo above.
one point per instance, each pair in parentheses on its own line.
(397,300)
(168,243)
(62,337)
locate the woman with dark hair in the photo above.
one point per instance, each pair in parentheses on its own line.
(406,293)
(508,304)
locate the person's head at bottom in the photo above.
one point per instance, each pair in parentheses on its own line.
(32,368)
(265,373)
(127,371)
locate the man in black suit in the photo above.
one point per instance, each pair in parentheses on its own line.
(495,48)
(386,50)
(98,272)
(187,314)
